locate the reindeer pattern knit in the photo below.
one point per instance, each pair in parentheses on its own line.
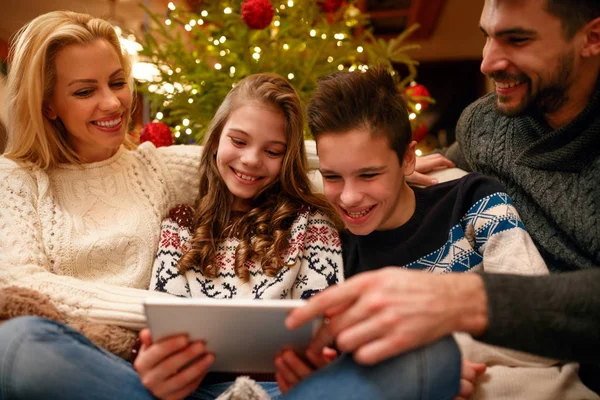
(87,235)
(313,262)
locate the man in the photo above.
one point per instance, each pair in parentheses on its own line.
(539,134)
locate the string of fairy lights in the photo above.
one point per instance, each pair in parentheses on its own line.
(161,76)
(169,89)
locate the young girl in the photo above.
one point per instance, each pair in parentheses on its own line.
(258,231)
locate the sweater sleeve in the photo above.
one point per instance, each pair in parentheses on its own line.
(24,263)
(498,235)
(183,165)
(555,316)
(454,153)
(502,240)
(321,262)
(166,277)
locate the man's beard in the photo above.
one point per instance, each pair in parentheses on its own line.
(550,97)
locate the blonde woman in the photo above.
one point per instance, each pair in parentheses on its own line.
(80,208)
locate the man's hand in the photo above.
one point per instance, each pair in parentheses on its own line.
(425,165)
(379,314)
(172,368)
(291,369)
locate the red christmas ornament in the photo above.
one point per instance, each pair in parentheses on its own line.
(158,133)
(257,14)
(419,131)
(194,5)
(330,6)
(418,90)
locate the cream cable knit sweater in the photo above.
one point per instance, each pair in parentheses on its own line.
(87,236)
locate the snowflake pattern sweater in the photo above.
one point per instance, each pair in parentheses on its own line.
(87,236)
(471,224)
(315,256)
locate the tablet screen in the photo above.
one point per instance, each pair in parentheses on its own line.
(244,335)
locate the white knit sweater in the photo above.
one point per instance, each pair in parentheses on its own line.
(87,236)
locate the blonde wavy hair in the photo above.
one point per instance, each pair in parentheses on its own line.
(264,231)
(32,137)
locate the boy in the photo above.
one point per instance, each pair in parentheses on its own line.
(362,129)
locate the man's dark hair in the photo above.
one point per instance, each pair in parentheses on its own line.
(574,14)
(344,101)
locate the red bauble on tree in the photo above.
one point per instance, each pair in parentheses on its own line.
(158,133)
(419,130)
(257,14)
(416,90)
(330,6)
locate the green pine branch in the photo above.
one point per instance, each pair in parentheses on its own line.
(200,62)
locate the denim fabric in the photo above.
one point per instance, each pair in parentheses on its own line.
(43,359)
(429,373)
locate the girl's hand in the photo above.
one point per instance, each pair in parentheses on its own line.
(469,373)
(172,368)
(291,369)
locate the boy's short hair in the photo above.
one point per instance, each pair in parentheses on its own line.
(345,101)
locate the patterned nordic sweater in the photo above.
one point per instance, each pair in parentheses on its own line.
(468,224)
(314,254)
(86,236)
(471,224)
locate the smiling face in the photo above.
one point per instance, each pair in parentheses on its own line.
(527,56)
(250,151)
(92,99)
(365,182)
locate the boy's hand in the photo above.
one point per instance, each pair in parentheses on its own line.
(291,369)
(172,368)
(469,373)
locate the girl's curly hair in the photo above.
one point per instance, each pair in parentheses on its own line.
(264,231)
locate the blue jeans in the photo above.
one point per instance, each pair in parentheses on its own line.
(43,359)
(429,373)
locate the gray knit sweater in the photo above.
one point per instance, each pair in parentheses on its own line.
(553,176)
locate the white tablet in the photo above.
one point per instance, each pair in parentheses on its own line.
(244,335)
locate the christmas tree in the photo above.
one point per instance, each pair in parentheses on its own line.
(201,48)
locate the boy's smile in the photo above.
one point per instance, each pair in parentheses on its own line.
(364,180)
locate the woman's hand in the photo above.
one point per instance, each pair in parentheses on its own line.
(291,369)
(172,368)
(469,373)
